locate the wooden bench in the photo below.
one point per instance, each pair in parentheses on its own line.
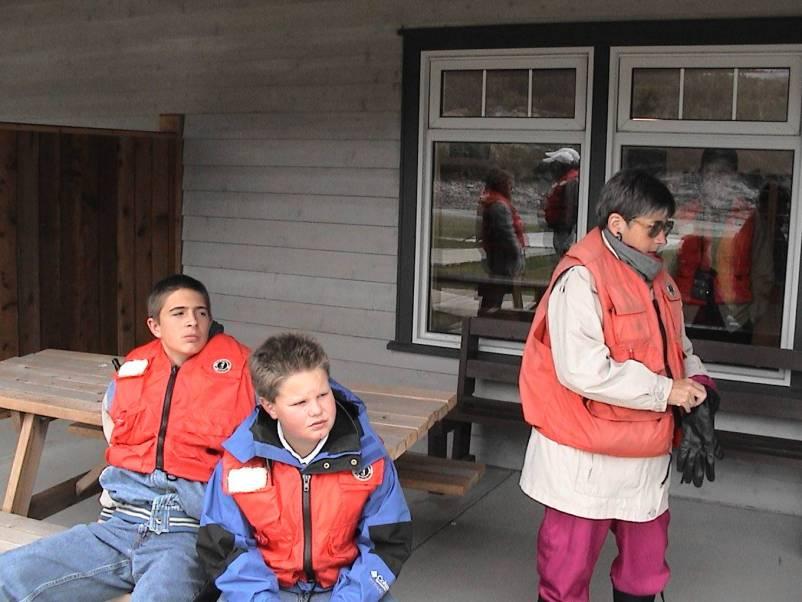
(438,475)
(475,364)
(744,401)
(16,530)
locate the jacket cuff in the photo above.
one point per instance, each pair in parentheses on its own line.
(705,381)
(662,390)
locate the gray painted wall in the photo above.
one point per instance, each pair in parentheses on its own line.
(292,139)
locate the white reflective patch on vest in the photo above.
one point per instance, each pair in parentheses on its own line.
(132,368)
(244,480)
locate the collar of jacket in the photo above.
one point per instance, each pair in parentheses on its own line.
(258,436)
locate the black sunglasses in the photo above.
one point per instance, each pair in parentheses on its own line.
(655,228)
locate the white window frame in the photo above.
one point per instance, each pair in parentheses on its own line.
(543,60)
(677,57)
(433,128)
(732,134)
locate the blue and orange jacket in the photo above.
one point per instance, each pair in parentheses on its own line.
(340,523)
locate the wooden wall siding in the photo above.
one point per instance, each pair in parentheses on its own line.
(320,208)
(9,343)
(291,143)
(71,206)
(147,231)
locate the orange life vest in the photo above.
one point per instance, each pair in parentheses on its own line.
(275,513)
(186,422)
(631,332)
(732,259)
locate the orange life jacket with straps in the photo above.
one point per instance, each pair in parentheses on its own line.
(275,512)
(177,419)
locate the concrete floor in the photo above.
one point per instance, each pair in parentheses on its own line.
(481,547)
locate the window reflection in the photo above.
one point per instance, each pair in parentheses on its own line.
(507,93)
(462,93)
(763,94)
(493,246)
(707,94)
(655,93)
(554,93)
(729,253)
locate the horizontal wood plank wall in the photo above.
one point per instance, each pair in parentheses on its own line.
(291,142)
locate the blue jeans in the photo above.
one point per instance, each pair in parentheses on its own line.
(99,561)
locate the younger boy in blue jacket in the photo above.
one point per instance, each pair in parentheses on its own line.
(305,503)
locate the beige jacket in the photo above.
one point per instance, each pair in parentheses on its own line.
(583,483)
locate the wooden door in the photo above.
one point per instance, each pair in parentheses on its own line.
(88,222)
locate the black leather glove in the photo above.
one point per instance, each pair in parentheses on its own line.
(699,447)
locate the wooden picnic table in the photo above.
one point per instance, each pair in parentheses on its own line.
(69,385)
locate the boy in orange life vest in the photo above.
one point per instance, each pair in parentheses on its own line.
(305,504)
(166,414)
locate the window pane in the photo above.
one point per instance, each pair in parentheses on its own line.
(462,94)
(507,93)
(763,94)
(554,93)
(729,249)
(476,259)
(708,94)
(655,94)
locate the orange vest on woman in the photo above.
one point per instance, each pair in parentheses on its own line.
(180,416)
(631,332)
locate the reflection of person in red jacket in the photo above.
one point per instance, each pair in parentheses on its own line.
(561,203)
(724,263)
(502,239)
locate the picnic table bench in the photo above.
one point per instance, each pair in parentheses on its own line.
(69,385)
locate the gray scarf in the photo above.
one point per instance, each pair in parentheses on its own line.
(647,266)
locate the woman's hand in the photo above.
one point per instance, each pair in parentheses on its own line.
(686,393)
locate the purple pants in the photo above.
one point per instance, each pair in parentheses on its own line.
(568,547)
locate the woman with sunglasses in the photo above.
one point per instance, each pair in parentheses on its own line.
(605,365)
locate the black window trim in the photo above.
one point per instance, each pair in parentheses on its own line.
(599,35)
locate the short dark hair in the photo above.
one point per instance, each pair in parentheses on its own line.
(499,180)
(727,156)
(632,193)
(164,287)
(281,356)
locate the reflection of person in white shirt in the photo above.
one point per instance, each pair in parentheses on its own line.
(724,266)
